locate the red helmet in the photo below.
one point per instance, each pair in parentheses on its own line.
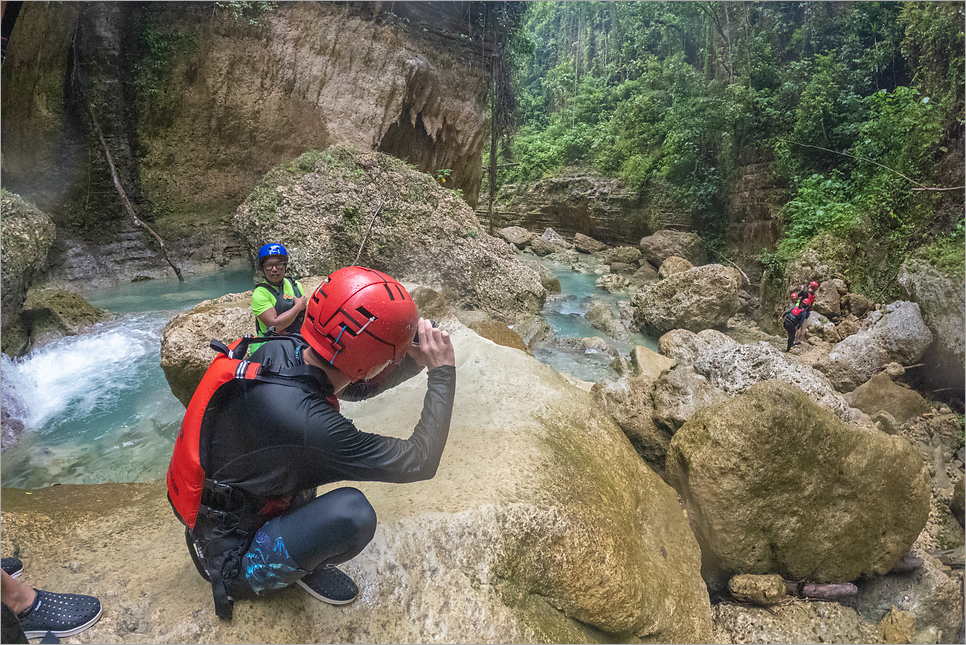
(794,297)
(813,285)
(360,320)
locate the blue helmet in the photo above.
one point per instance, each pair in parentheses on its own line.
(270,249)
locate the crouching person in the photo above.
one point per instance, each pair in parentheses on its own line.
(260,435)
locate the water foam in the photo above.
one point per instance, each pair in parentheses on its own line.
(76,375)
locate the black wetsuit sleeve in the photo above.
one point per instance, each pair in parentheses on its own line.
(361,456)
(390,378)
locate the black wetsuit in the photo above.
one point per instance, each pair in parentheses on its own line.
(794,318)
(275,443)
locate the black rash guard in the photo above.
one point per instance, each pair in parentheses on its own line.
(272,440)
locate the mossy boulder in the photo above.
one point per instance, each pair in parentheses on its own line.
(774,483)
(54,313)
(26,237)
(326,206)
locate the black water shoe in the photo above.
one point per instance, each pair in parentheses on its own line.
(330,585)
(13,566)
(63,614)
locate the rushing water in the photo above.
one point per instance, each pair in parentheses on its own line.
(97,408)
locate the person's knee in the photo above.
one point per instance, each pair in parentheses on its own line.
(352,514)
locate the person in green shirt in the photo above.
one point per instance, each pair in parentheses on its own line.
(279,302)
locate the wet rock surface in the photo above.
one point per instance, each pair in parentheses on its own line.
(501,546)
(774,483)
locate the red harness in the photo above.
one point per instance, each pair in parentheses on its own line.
(186,477)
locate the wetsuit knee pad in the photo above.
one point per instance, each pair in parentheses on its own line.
(332,528)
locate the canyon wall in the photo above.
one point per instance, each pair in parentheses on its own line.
(196,103)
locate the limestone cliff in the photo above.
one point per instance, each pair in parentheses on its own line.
(197,102)
(576,200)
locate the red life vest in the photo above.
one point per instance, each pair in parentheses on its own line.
(186,477)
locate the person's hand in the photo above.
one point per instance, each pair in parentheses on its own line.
(301,302)
(435,348)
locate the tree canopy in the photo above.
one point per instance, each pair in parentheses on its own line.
(860,105)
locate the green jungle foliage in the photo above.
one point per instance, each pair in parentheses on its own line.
(858,103)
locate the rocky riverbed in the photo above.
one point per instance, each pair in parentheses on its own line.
(711,491)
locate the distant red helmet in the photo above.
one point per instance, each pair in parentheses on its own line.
(794,297)
(360,320)
(813,286)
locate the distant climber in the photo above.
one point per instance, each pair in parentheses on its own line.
(794,320)
(806,300)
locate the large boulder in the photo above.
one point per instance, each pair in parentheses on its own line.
(701,298)
(774,483)
(882,393)
(943,306)
(622,254)
(685,346)
(649,363)
(602,317)
(26,235)
(828,298)
(541,525)
(628,401)
(554,238)
(542,248)
(516,235)
(321,207)
(734,368)
(673,265)
(895,333)
(185,340)
(679,394)
(586,244)
(665,243)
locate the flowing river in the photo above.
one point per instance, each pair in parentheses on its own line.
(96,407)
